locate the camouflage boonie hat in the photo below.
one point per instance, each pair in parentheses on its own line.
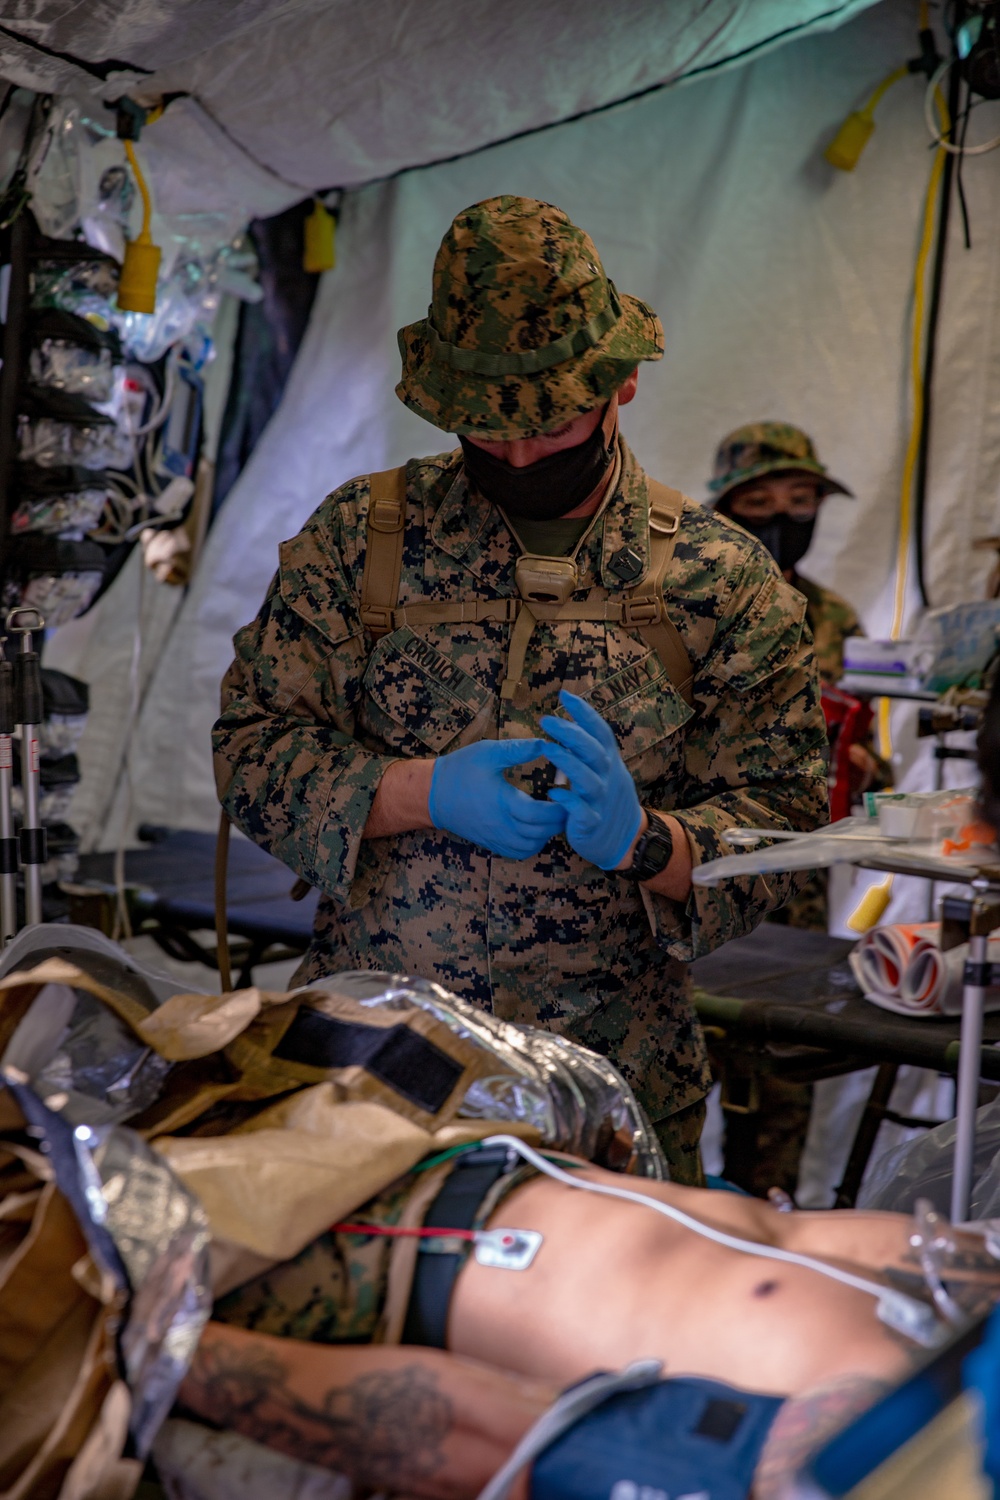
(524,331)
(768,448)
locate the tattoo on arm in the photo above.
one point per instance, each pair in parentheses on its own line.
(805,1424)
(384,1429)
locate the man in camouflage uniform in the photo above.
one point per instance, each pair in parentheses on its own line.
(397,765)
(768,478)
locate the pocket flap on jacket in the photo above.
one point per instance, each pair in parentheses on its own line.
(422,690)
(314,591)
(641,704)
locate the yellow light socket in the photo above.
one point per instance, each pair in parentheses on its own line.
(319,252)
(844,151)
(137,283)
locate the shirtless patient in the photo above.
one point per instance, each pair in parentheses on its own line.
(611,1283)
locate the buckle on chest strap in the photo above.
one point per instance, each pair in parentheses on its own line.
(644,611)
(386,513)
(378,618)
(545,580)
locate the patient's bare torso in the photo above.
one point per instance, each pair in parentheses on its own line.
(614,1282)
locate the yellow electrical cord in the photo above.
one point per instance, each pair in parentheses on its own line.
(141,266)
(913,445)
(884,86)
(147,205)
(844,151)
(873,904)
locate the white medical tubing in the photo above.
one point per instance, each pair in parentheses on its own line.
(929,98)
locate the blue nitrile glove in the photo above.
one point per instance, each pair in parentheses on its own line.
(603,814)
(471,797)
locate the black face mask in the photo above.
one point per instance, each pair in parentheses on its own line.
(785,538)
(547,489)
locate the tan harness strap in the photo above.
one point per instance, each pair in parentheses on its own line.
(448,612)
(518,646)
(660,633)
(642,609)
(383,549)
(403,1254)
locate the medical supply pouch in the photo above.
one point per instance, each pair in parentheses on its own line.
(65,705)
(75,277)
(680,1439)
(54,514)
(60,578)
(66,500)
(84,441)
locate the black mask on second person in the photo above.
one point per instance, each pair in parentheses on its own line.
(550,487)
(785,538)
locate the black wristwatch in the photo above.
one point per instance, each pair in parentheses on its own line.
(652,852)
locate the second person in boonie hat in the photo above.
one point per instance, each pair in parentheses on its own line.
(500,701)
(768,478)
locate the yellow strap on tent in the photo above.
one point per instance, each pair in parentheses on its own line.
(917,338)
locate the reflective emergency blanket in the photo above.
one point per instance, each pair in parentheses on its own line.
(256,1119)
(574,1098)
(120,1044)
(102,1302)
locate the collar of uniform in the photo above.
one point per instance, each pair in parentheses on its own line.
(472,531)
(623,529)
(468,528)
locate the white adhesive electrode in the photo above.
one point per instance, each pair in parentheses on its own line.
(507,1249)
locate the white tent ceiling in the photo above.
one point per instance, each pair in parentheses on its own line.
(298,95)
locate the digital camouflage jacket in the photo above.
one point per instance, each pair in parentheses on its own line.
(313,712)
(831,620)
